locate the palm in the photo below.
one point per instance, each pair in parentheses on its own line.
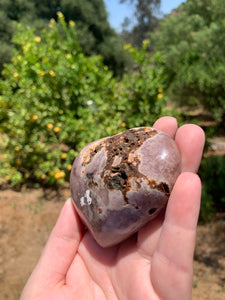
(154,264)
(119,272)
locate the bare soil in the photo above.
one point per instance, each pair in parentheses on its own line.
(28,216)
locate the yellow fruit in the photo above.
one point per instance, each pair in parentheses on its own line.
(33,118)
(60,175)
(57,129)
(63,174)
(123,124)
(159,96)
(42,73)
(69,167)
(63,156)
(17,148)
(43,176)
(56,175)
(38,39)
(50,126)
(59,14)
(52,73)
(72,23)
(15,75)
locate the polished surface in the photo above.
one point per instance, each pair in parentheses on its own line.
(120,183)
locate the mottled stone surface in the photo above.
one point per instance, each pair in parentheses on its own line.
(120,183)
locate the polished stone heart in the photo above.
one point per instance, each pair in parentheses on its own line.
(120,183)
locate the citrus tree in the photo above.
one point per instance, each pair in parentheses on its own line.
(144,88)
(53,101)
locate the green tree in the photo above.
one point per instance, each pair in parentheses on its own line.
(143,88)
(53,101)
(94,32)
(192,42)
(212,173)
(145,20)
(17,9)
(6,30)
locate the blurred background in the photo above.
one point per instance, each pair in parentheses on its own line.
(73,71)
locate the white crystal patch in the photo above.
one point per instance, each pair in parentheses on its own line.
(88,198)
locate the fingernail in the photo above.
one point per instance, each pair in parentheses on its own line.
(69,199)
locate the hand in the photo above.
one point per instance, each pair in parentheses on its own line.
(154,264)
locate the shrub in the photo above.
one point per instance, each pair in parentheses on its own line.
(212,173)
(191,40)
(54,100)
(143,88)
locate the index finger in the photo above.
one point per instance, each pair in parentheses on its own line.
(189,138)
(167,124)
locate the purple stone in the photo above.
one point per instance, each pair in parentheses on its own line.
(120,183)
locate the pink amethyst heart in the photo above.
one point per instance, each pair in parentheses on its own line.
(120,183)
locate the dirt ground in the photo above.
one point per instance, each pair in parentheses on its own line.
(28,216)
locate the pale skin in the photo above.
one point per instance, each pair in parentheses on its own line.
(156,263)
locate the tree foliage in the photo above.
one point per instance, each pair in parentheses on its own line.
(145,20)
(94,32)
(144,88)
(54,100)
(212,173)
(192,42)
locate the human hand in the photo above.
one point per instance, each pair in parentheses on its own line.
(156,263)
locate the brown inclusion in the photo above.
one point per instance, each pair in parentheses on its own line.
(118,177)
